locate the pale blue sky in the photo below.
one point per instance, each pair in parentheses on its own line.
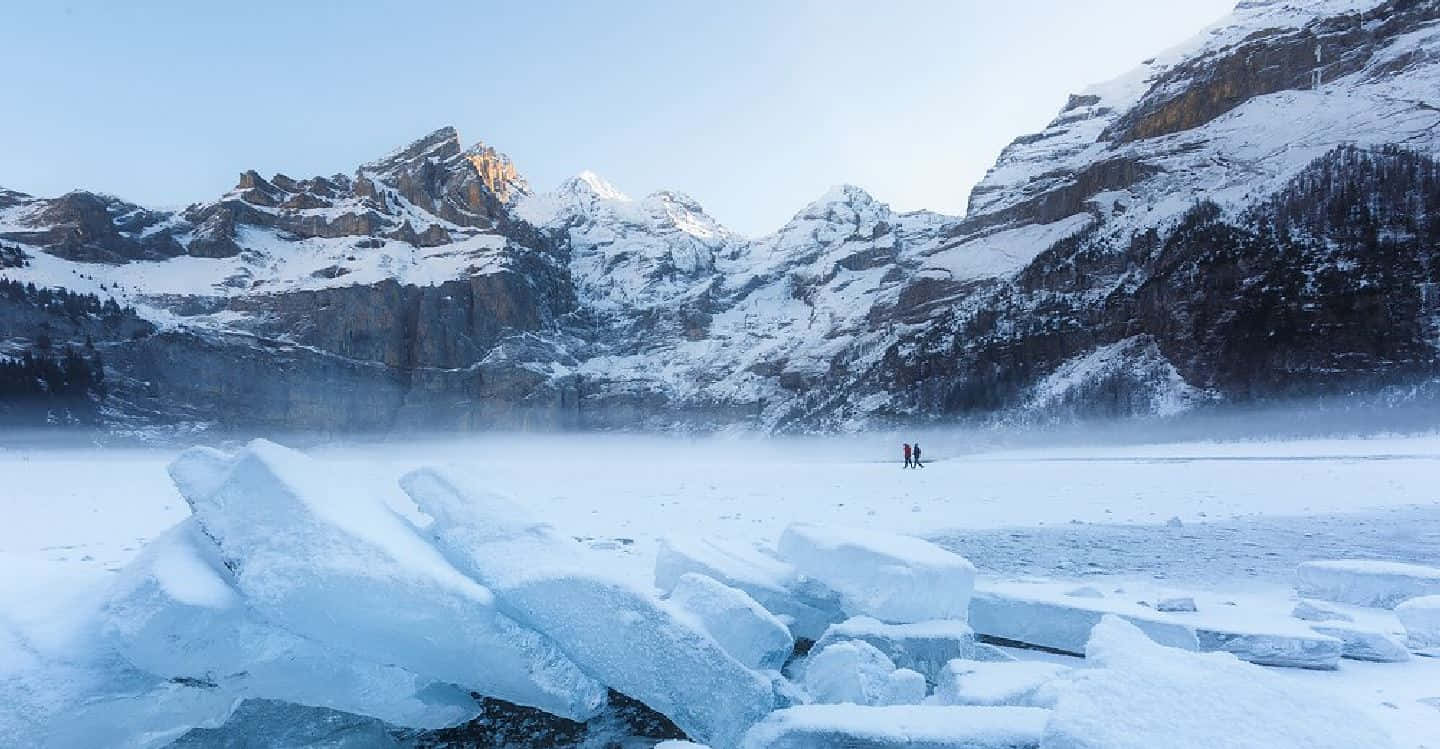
(753,107)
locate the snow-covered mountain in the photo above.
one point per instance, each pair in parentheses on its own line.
(1249,216)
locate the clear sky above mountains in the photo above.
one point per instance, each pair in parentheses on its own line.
(752,107)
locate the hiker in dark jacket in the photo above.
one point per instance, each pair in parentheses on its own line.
(907,455)
(916,451)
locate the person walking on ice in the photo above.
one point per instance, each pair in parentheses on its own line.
(916,452)
(907,454)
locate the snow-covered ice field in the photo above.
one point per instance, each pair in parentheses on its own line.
(1248,513)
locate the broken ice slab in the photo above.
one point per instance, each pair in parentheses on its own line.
(1364,644)
(921,646)
(1042,615)
(625,637)
(174,613)
(807,608)
(738,622)
(1311,611)
(326,559)
(899,727)
(1295,646)
(1365,582)
(894,578)
(1421,617)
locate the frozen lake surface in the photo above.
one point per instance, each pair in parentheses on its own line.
(1248,511)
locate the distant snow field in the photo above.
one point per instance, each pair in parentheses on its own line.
(1112,529)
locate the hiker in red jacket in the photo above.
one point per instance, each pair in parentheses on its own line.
(907,454)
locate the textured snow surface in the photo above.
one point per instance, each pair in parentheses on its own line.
(1365,582)
(893,578)
(1018,683)
(322,558)
(912,727)
(1421,617)
(1137,693)
(738,622)
(623,636)
(922,646)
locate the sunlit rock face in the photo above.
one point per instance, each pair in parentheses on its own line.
(1245,218)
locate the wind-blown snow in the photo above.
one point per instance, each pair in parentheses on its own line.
(1140,694)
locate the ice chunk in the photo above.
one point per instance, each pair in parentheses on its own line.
(852,671)
(627,638)
(1314,612)
(1141,694)
(904,687)
(740,624)
(1176,605)
(329,561)
(1064,625)
(152,715)
(174,613)
(893,578)
(899,727)
(922,646)
(269,723)
(677,744)
(1364,644)
(968,682)
(1421,617)
(1365,582)
(806,608)
(1276,643)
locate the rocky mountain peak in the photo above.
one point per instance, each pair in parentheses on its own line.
(441,145)
(590,183)
(497,173)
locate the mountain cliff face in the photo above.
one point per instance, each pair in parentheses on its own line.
(1251,216)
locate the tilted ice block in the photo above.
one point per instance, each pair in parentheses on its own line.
(1136,693)
(851,671)
(807,608)
(174,613)
(893,578)
(922,646)
(899,727)
(625,637)
(330,562)
(1364,582)
(1275,644)
(1364,644)
(1019,683)
(1421,617)
(1064,624)
(738,622)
